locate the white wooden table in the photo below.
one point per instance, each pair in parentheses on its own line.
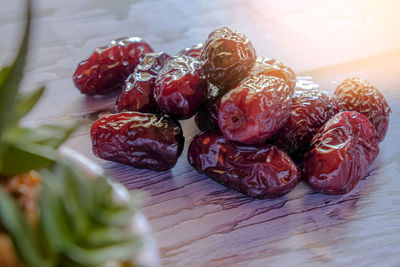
(196,221)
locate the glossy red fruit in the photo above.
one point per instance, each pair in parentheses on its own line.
(272,67)
(311,108)
(180,89)
(255,110)
(359,95)
(261,170)
(194,51)
(107,68)
(207,117)
(137,91)
(227,58)
(340,154)
(141,140)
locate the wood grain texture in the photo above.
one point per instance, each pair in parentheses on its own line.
(196,221)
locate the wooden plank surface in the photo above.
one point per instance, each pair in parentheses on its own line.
(196,221)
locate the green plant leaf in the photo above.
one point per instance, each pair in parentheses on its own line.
(27,149)
(103,236)
(95,256)
(11,77)
(25,102)
(4,72)
(74,202)
(54,219)
(80,224)
(50,135)
(117,216)
(64,208)
(15,222)
(22,157)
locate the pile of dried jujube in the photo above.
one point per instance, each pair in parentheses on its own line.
(260,133)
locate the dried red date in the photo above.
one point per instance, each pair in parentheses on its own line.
(340,153)
(255,110)
(227,58)
(194,51)
(141,140)
(311,108)
(359,95)
(180,89)
(207,117)
(261,171)
(137,91)
(272,67)
(107,68)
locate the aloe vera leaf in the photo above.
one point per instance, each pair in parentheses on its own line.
(11,77)
(54,219)
(50,135)
(95,256)
(15,223)
(25,102)
(23,157)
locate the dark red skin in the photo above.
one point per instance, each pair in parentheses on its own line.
(340,153)
(108,67)
(359,95)
(207,117)
(227,58)
(255,110)
(261,171)
(141,140)
(311,108)
(194,51)
(272,67)
(138,90)
(180,90)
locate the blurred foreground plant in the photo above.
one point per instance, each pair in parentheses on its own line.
(80,223)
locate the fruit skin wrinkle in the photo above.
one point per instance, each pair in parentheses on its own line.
(180,89)
(273,67)
(194,51)
(227,58)
(340,153)
(108,67)
(138,90)
(260,170)
(255,110)
(141,140)
(356,94)
(311,108)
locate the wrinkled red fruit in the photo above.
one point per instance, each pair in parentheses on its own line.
(107,68)
(340,154)
(193,51)
(141,140)
(227,58)
(255,110)
(261,171)
(358,95)
(311,108)
(207,117)
(272,67)
(180,89)
(137,91)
